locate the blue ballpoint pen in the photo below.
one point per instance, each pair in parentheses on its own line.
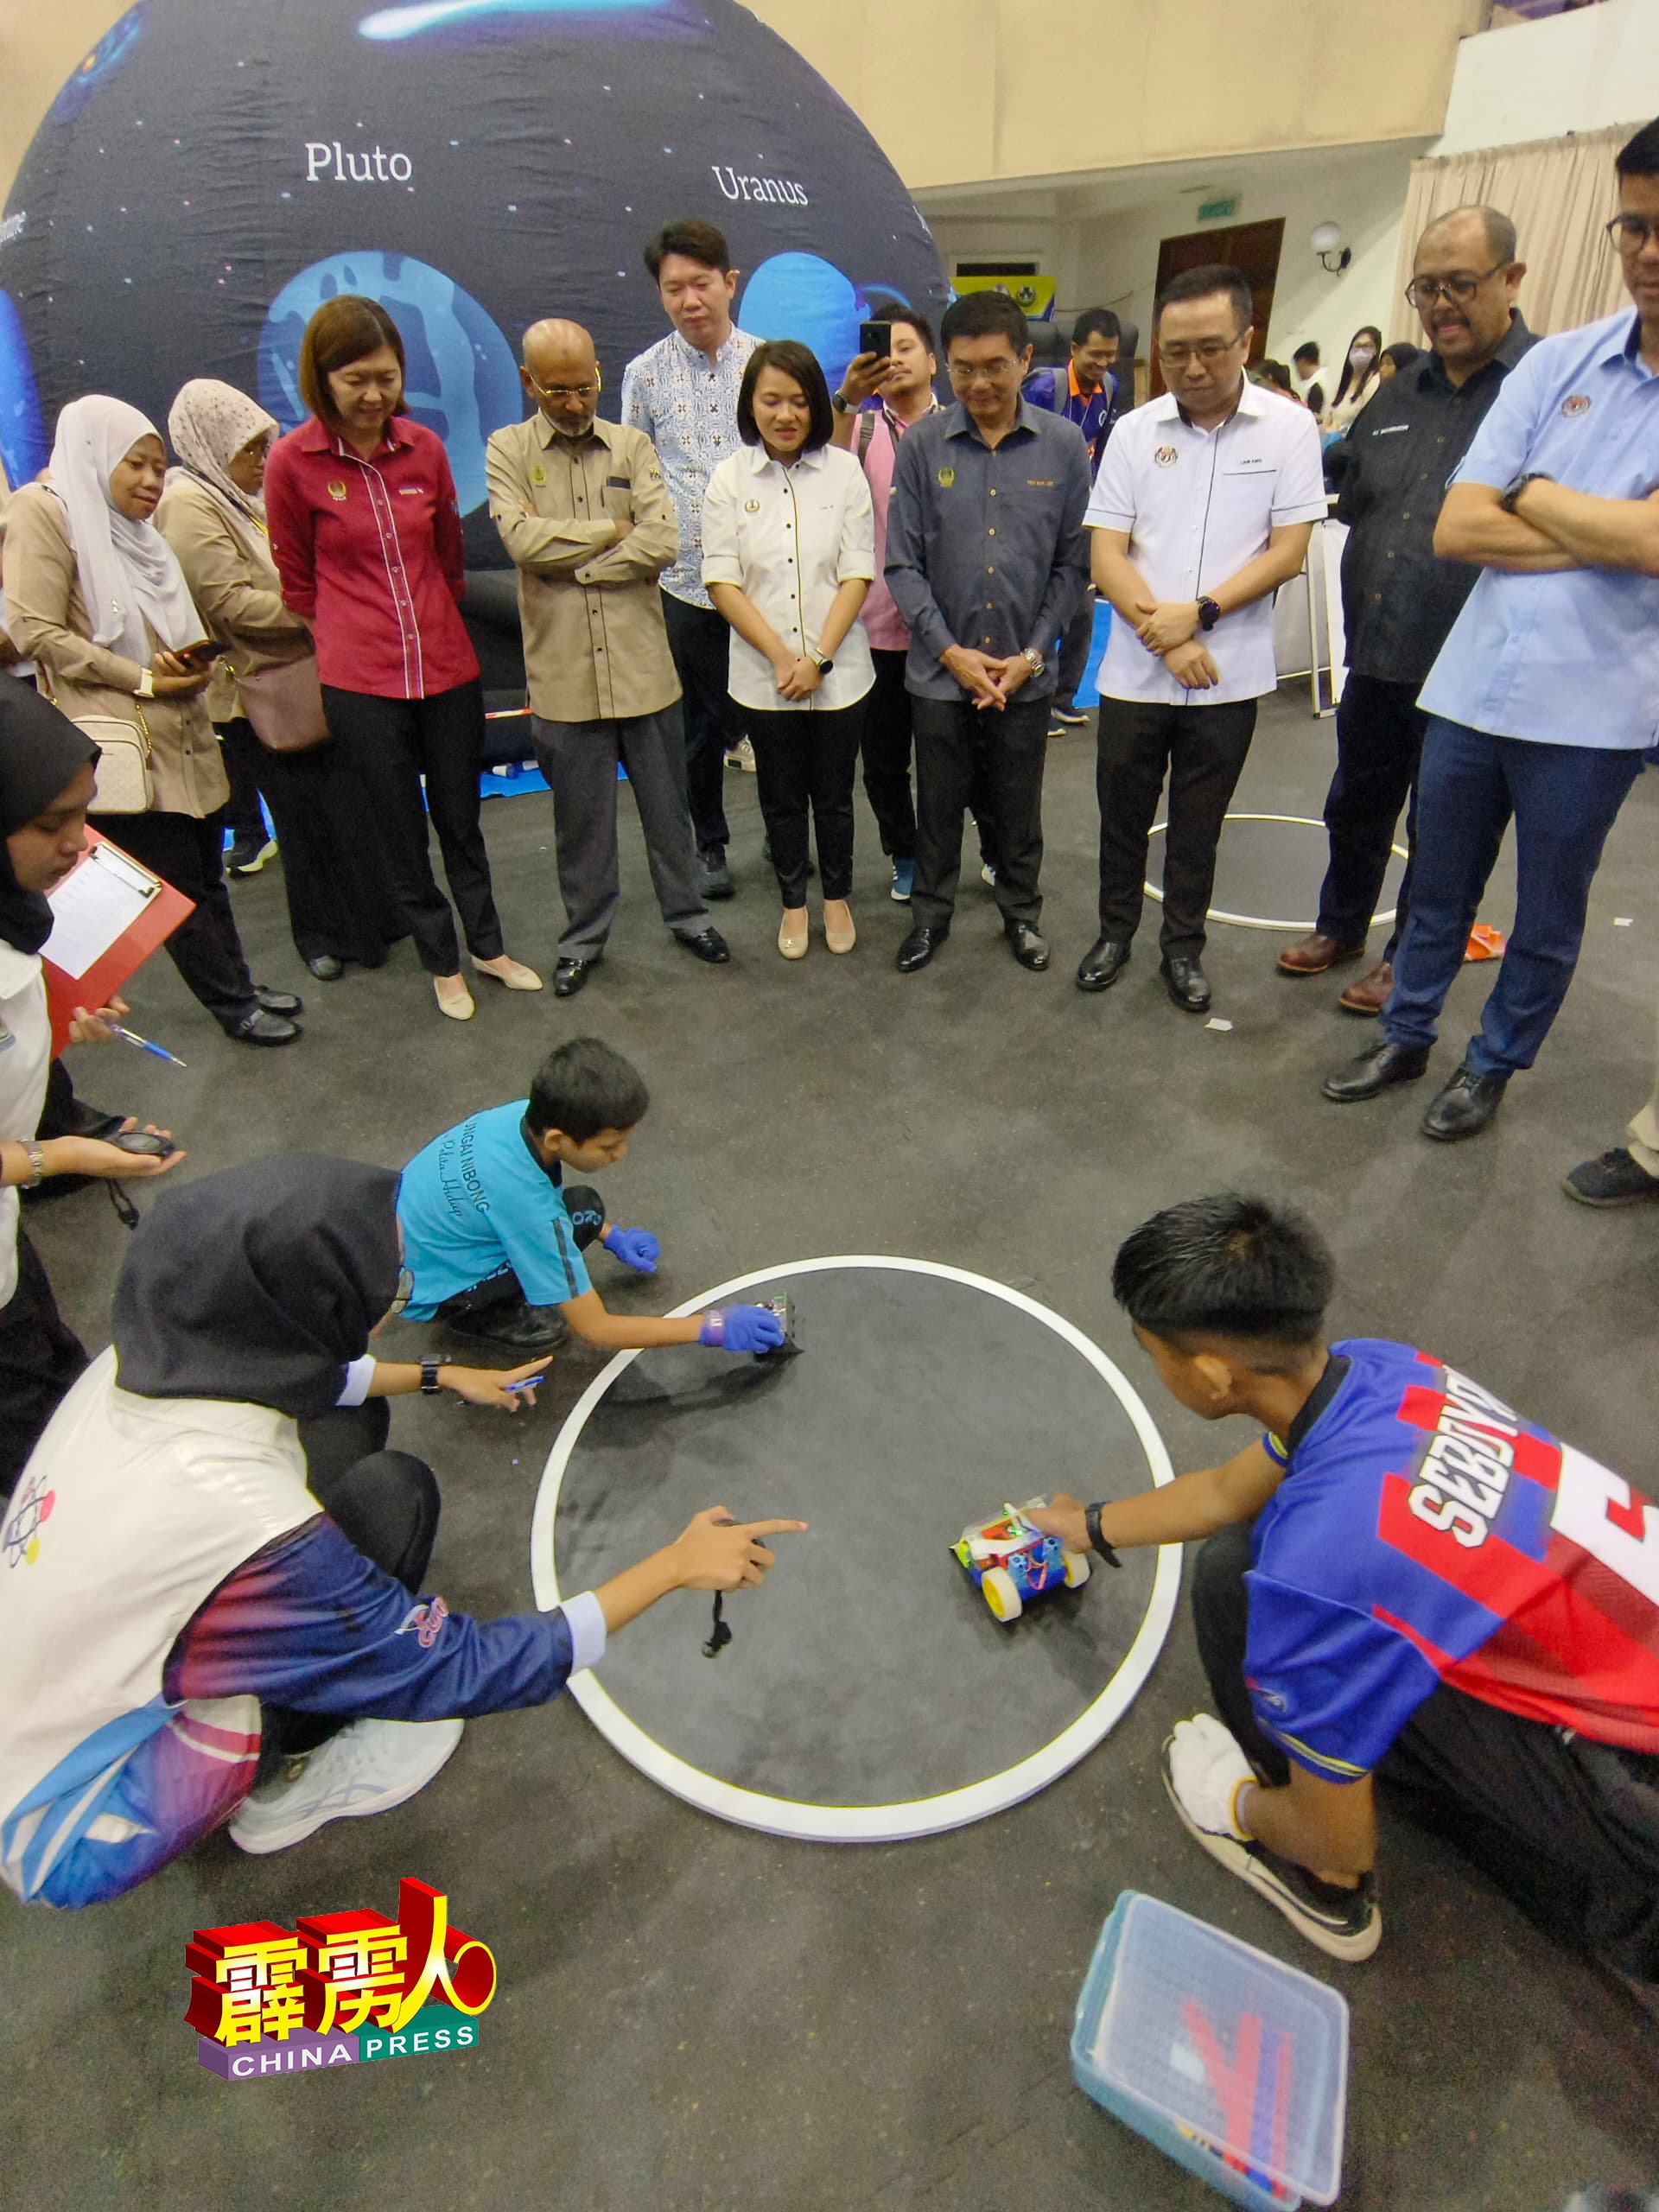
(131,1037)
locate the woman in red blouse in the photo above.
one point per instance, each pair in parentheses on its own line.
(366,538)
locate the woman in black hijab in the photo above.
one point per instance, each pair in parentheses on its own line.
(220,1621)
(45,786)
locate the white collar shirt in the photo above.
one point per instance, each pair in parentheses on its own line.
(1197,505)
(789,538)
(25,1055)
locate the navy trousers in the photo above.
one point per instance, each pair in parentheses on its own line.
(1564,799)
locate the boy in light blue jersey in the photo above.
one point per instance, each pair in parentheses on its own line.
(494,1239)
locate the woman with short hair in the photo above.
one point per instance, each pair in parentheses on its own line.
(788,554)
(366,533)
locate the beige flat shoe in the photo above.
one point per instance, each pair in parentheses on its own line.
(791,933)
(514,973)
(839,933)
(457,1004)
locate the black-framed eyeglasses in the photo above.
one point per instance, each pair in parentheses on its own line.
(405,1291)
(1629,234)
(1209,350)
(1423,292)
(584,392)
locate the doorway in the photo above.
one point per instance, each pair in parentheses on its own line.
(1251,248)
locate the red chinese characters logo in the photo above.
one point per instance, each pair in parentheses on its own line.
(336,1971)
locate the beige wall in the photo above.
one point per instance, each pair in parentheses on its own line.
(979,90)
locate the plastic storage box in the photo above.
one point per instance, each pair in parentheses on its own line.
(1234,2064)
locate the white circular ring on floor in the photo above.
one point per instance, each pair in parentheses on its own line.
(923,1815)
(1155,891)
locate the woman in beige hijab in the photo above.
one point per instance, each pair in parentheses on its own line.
(339,903)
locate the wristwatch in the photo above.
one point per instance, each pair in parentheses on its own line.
(1209,614)
(842,404)
(1034,660)
(821,663)
(36,1165)
(430,1384)
(1097,1541)
(1533,476)
(146,684)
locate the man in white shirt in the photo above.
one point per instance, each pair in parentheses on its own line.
(1201,509)
(682,392)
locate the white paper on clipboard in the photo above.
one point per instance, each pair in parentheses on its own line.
(95,905)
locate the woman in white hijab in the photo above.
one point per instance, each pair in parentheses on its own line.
(96,598)
(212,514)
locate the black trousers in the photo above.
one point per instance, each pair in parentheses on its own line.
(886,745)
(961,751)
(386,1503)
(204,949)
(390,744)
(1203,750)
(806,763)
(1380,730)
(700,643)
(40,1356)
(340,894)
(1568,1830)
(242,750)
(587,1212)
(1076,641)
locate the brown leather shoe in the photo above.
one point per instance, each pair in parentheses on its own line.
(1313,954)
(1371,994)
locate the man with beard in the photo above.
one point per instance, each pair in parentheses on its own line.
(583,509)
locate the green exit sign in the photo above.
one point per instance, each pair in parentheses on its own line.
(1216,211)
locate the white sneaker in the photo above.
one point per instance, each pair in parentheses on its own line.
(367,1767)
(742,756)
(988,875)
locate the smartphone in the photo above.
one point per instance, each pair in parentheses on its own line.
(876,338)
(141,1143)
(202,654)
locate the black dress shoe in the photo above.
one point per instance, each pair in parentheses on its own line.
(1104,962)
(706,944)
(278,1001)
(263,1028)
(1028,945)
(513,1325)
(569,976)
(1188,985)
(1377,1067)
(327,967)
(919,947)
(714,877)
(1465,1106)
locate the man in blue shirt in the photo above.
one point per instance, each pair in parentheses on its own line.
(493,1240)
(1546,695)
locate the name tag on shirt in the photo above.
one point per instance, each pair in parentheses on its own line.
(1251,464)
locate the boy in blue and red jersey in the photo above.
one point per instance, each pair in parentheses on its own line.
(1404,1579)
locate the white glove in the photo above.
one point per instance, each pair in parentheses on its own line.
(1207,1770)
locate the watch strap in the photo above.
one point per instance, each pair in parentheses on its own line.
(1209,614)
(1097,1541)
(430,1384)
(146,684)
(36,1159)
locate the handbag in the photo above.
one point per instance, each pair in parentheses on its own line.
(284,703)
(123,779)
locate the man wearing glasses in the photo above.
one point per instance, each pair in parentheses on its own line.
(583,509)
(1399,601)
(1546,695)
(1203,508)
(985,564)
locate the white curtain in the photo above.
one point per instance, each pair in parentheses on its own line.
(1559,192)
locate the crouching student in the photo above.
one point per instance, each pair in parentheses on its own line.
(494,1238)
(215,1615)
(1404,1581)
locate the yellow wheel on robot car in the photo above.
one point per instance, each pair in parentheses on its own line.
(1077,1569)
(1000,1593)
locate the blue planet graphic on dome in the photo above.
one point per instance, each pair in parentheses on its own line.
(100,64)
(804,296)
(23,433)
(461,380)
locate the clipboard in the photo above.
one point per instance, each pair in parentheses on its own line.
(109,914)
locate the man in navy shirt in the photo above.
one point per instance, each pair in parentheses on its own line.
(1403,1578)
(1546,695)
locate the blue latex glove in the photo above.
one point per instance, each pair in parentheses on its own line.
(636,1248)
(741,1328)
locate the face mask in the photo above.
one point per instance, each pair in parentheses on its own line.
(1361,356)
